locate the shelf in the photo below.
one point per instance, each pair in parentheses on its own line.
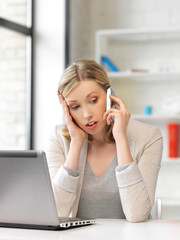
(131,35)
(171,161)
(156,117)
(143,76)
(170,202)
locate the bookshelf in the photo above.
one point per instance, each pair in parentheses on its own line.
(154,54)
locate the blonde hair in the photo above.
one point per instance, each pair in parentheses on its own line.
(83,70)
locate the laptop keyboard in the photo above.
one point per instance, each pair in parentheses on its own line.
(68,219)
(66,222)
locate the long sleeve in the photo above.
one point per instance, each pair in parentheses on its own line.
(137,182)
(64,184)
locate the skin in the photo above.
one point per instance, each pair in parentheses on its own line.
(86,103)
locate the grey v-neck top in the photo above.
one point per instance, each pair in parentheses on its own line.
(100,195)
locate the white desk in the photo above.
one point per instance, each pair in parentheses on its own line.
(103,229)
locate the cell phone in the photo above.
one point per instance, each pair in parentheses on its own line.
(109,103)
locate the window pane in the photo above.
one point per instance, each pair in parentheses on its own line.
(13,130)
(14,10)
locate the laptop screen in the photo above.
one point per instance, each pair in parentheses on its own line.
(25,189)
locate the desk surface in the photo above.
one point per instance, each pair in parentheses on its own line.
(105,229)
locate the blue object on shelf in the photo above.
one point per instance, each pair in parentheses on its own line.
(147,110)
(105,60)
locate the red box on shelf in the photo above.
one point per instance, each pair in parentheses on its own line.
(173,140)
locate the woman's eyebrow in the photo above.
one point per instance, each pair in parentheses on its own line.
(71,101)
(91,93)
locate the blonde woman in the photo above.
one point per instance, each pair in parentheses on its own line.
(100,168)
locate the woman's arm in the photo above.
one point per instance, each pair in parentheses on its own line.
(64,184)
(63,167)
(137,183)
(77,137)
(121,117)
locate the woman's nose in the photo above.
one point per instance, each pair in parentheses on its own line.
(87,114)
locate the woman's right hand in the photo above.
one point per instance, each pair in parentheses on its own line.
(76,133)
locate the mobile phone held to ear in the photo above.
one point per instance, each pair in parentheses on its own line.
(109,103)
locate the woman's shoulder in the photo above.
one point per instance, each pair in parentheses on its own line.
(56,136)
(141,130)
(55,131)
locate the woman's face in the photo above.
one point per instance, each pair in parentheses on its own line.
(87,104)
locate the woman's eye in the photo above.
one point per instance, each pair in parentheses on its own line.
(75,107)
(94,100)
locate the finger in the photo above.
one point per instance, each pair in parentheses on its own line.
(58,93)
(110,111)
(109,117)
(60,96)
(118,102)
(67,114)
(110,114)
(106,114)
(108,120)
(66,109)
(123,115)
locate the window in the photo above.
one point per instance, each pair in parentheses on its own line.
(15,74)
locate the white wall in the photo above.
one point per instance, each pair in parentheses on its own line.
(48,66)
(129,14)
(88,16)
(158,14)
(149,13)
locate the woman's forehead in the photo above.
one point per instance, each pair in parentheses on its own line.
(84,89)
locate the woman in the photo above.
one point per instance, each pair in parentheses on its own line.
(101,168)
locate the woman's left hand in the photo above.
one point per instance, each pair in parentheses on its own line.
(120,115)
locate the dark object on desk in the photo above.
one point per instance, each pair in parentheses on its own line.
(26,195)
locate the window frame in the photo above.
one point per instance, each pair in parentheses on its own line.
(67,29)
(28,32)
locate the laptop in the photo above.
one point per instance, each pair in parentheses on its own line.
(26,195)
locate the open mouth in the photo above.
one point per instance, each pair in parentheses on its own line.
(91,125)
